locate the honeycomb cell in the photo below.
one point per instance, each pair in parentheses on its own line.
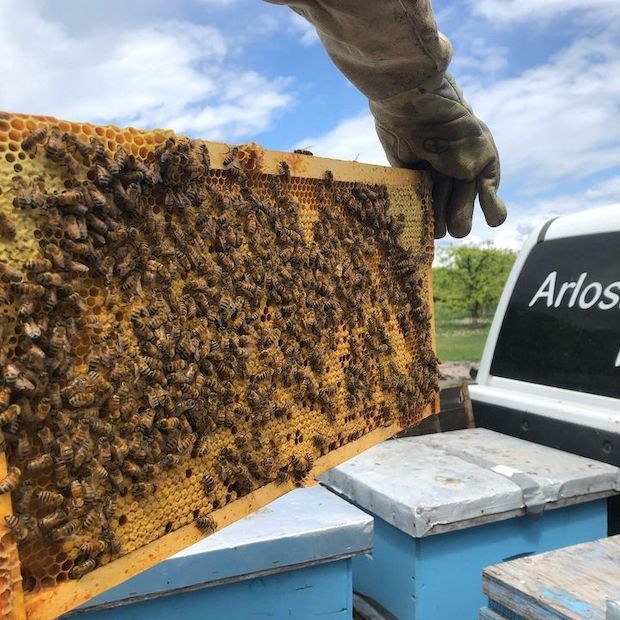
(183,335)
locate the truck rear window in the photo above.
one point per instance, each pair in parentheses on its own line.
(562,324)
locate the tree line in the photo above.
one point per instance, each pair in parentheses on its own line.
(468,280)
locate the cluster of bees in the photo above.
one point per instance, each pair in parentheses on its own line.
(228,301)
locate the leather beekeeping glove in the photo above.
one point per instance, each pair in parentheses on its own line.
(392,51)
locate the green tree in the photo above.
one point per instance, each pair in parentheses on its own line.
(471,279)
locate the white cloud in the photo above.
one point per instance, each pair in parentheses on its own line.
(553,123)
(245,106)
(171,74)
(557,121)
(353,138)
(504,11)
(303,29)
(524,217)
(474,54)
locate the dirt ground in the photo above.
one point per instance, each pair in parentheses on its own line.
(456,371)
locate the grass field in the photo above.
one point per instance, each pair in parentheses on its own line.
(458,340)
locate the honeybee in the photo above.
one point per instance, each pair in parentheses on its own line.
(23,384)
(93,548)
(223,419)
(82,399)
(320,441)
(156,397)
(282,476)
(77,496)
(32,197)
(100,427)
(8,229)
(201,448)
(103,178)
(120,448)
(28,289)
(98,151)
(117,479)
(33,331)
(175,365)
(64,531)
(90,495)
(208,483)
(11,413)
(46,437)
(147,418)
(170,460)
(17,526)
(82,455)
(23,446)
(167,424)
(119,163)
(91,519)
(141,489)
(26,309)
(50,498)
(114,543)
(49,279)
(75,227)
(81,569)
(132,469)
(10,274)
(206,524)
(65,450)
(58,340)
(110,507)
(79,147)
(230,156)
(53,519)
(34,139)
(55,147)
(55,255)
(61,475)
(285,170)
(26,494)
(96,224)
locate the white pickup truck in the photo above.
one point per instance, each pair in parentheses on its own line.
(550,371)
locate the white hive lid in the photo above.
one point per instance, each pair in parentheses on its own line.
(305,527)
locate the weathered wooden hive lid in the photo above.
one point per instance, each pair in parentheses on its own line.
(449,481)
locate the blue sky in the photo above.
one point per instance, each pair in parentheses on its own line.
(544,74)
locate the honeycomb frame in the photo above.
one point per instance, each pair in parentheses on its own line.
(299,179)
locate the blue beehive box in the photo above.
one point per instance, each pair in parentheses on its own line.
(291,559)
(447,505)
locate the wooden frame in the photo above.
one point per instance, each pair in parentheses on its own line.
(54,601)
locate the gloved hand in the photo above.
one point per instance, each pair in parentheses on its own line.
(392,51)
(439,127)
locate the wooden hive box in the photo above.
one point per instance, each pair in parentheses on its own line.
(188,331)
